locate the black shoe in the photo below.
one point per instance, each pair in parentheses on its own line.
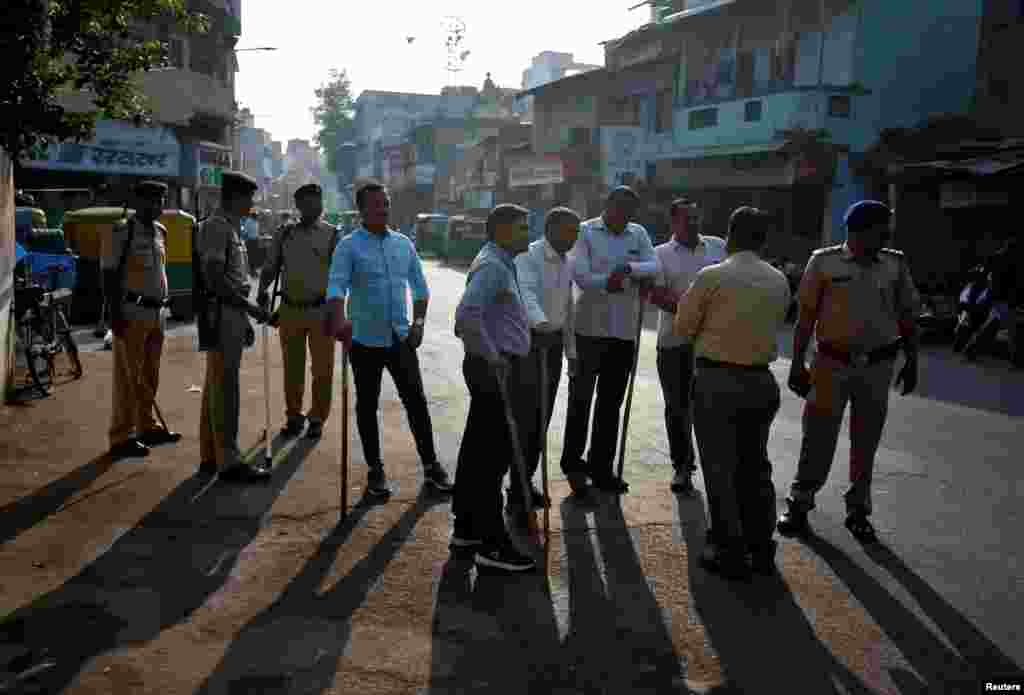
(515,502)
(762,560)
(578,484)
(437,477)
(377,482)
(858,524)
(503,557)
(208,469)
(129,449)
(793,522)
(682,483)
(292,429)
(614,485)
(315,429)
(241,473)
(158,437)
(728,565)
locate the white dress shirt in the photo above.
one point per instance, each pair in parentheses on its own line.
(545,280)
(677,267)
(600,313)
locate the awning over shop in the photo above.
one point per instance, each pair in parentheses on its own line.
(991,165)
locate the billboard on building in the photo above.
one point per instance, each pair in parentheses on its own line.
(535,171)
(116,148)
(620,152)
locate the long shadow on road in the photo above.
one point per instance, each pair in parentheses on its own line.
(152,577)
(24,513)
(973,658)
(295,645)
(757,630)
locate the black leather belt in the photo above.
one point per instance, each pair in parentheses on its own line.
(715,364)
(145,302)
(319,301)
(863,358)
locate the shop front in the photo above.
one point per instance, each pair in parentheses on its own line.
(203,165)
(66,176)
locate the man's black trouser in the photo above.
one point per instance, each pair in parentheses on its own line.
(606,364)
(675,370)
(526,390)
(368,364)
(485,455)
(733,413)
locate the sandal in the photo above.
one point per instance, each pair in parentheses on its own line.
(861,528)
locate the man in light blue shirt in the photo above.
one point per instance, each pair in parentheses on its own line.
(375,267)
(492,322)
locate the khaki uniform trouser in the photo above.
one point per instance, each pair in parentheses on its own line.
(136,378)
(834,385)
(295,334)
(218,420)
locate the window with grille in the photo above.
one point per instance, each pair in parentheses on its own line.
(839,106)
(752,111)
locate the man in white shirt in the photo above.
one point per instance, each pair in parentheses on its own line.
(612,256)
(545,280)
(679,260)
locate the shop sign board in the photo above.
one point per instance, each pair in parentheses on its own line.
(535,171)
(117,148)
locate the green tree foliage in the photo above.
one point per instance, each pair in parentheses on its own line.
(52,46)
(333,113)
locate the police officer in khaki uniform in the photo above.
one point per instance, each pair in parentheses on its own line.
(860,300)
(302,254)
(225,272)
(134,261)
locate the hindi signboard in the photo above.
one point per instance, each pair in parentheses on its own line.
(116,148)
(535,171)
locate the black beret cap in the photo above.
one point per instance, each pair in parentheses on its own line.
(237,182)
(866,213)
(150,188)
(308,189)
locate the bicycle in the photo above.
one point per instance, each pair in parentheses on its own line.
(43,331)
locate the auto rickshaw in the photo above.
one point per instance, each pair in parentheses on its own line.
(85,230)
(465,237)
(430,234)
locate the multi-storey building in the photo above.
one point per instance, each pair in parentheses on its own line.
(190,141)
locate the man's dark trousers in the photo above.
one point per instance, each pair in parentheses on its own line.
(675,370)
(733,413)
(525,384)
(485,455)
(368,364)
(606,363)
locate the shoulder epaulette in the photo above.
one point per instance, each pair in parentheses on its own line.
(838,248)
(893,252)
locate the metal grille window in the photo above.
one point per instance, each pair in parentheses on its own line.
(839,106)
(703,118)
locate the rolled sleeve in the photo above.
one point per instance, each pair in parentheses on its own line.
(339,277)
(481,291)
(417,280)
(690,310)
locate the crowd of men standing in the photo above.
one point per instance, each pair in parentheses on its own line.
(577,295)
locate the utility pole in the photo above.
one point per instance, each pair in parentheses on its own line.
(455,32)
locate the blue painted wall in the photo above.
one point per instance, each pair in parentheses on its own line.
(918,57)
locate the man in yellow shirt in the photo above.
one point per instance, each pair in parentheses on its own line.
(732,312)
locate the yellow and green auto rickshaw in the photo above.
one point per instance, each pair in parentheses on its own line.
(85,229)
(465,236)
(431,234)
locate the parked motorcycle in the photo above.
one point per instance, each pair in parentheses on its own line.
(973,307)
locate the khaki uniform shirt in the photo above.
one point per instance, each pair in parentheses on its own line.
(305,265)
(220,240)
(733,311)
(858,307)
(145,265)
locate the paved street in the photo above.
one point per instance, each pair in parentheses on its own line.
(126,578)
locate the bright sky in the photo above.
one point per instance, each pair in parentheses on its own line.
(368,40)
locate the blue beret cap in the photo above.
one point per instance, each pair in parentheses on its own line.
(866,213)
